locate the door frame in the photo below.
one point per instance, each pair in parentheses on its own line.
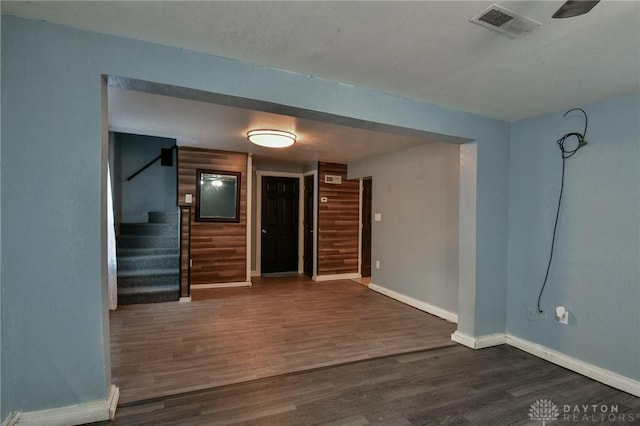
(314,173)
(258,235)
(361,220)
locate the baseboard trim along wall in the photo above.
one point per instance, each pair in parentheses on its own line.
(185,299)
(78,414)
(221,285)
(479,342)
(12,419)
(591,371)
(418,304)
(334,277)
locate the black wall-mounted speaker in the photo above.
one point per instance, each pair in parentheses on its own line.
(166,157)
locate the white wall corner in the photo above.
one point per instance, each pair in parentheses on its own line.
(12,419)
(480,342)
(464,339)
(88,412)
(418,304)
(594,372)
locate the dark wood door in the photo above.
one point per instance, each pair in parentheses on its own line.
(365,268)
(279,225)
(309,207)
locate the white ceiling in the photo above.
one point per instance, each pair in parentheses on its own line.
(423,50)
(209,125)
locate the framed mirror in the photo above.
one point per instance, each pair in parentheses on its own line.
(217,196)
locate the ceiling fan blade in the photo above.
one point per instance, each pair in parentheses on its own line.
(573,8)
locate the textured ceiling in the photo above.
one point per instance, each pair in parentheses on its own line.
(425,50)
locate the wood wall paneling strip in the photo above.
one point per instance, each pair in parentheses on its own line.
(338,222)
(218,250)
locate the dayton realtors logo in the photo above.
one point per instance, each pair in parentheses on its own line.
(545,410)
(596,413)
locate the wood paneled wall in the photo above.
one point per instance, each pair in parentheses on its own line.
(338,222)
(218,249)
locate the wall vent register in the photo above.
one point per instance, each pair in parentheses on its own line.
(333,179)
(505,21)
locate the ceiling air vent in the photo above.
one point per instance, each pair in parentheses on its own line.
(505,21)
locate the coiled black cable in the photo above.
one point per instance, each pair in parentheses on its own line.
(566,153)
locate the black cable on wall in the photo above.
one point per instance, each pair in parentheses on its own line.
(566,153)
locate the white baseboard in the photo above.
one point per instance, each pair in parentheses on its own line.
(594,372)
(591,371)
(418,304)
(12,419)
(78,414)
(255,273)
(185,299)
(479,342)
(221,285)
(334,277)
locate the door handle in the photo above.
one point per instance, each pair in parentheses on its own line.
(264,231)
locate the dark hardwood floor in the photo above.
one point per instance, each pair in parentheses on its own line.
(280,325)
(452,385)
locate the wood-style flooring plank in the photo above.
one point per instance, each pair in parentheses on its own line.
(451,385)
(278,326)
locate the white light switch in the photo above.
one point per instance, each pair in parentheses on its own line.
(377,217)
(188,198)
(377,264)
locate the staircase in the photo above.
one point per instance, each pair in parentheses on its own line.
(148,260)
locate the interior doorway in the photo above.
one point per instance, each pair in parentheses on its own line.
(279,225)
(365,266)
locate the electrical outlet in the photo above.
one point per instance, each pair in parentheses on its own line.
(562,315)
(377,264)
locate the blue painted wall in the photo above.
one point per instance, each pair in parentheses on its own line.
(54,319)
(155,189)
(596,267)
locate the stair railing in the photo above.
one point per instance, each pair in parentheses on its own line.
(165,157)
(184,212)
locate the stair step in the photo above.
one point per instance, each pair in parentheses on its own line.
(148,260)
(146,241)
(149,294)
(158,229)
(163,217)
(148,272)
(126,252)
(139,281)
(166,261)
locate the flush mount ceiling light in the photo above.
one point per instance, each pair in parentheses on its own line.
(271,138)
